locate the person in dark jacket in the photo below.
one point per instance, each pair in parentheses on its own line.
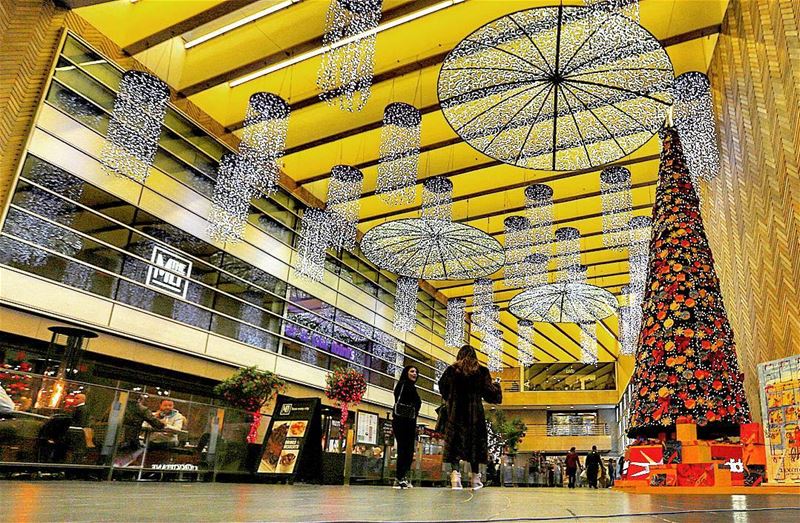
(404,427)
(464,386)
(572,463)
(593,464)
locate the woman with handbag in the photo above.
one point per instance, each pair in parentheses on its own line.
(404,422)
(464,386)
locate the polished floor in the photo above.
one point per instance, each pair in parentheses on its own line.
(177,502)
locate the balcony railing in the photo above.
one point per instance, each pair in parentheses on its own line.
(552,429)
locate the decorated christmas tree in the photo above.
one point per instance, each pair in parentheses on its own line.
(686,365)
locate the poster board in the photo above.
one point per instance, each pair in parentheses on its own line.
(292,447)
(367,428)
(779,382)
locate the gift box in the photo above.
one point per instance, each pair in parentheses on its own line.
(695,474)
(697,452)
(754,475)
(641,458)
(672,451)
(751,433)
(722,476)
(686,431)
(663,475)
(754,454)
(726,451)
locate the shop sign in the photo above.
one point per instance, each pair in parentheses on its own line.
(296,421)
(168,272)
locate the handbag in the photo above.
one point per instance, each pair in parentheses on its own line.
(404,410)
(441,419)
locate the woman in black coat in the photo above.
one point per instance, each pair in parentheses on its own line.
(464,386)
(405,427)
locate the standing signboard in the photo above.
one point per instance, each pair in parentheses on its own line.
(292,449)
(780,409)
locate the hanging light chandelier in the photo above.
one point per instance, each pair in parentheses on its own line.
(405,304)
(135,126)
(568,252)
(630,318)
(517,249)
(455,322)
(399,153)
(437,199)
(485,313)
(230,203)
(588,343)
(696,125)
(536,270)
(539,210)
(263,141)
(525,339)
(492,346)
(312,243)
(486,318)
(344,193)
(627,8)
(345,74)
(615,197)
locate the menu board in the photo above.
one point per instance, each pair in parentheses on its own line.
(780,408)
(295,421)
(367,428)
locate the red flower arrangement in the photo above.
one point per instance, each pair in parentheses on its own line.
(251,389)
(346,387)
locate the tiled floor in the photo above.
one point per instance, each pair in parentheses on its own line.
(175,502)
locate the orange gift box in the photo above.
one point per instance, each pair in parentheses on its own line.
(640,460)
(696,474)
(751,433)
(686,432)
(753,454)
(697,452)
(723,476)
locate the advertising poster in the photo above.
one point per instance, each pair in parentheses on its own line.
(290,428)
(780,407)
(367,428)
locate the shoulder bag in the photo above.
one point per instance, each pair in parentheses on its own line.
(404,410)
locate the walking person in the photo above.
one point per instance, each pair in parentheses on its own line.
(404,423)
(464,386)
(611,472)
(572,463)
(593,464)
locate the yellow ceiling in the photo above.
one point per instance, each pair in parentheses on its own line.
(407,61)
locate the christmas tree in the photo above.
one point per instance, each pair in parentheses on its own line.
(686,363)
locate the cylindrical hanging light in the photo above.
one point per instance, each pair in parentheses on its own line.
(437,199)
(615,197)
(344,193)
(693,117)
(455,322)
(347,67)
(492,346)
(312,244)
(135,125)
(263,141)
(525,335)
(568,251)
(588,343)
(638,254)
(230,204)
(630,317)
(536,269)
(539,210)
(405,304)
(399,153)
(482,292)
(517,248)
(485,318)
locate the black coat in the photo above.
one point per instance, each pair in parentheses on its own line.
(593,461)
(406,392)
(465,432)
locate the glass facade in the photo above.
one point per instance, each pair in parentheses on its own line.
(67,230)
(570,376)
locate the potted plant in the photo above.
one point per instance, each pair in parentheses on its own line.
(345,387)
(251,389)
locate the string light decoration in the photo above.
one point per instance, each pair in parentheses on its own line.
(455,321)
(630,320)
(482,292)
(588,343)
(557,88)
(312,243)
(399,153)
(693,116)
(628,8)
(638,256)
(405,304)
(568,251)
(230,203)
(686,364)
(344,193)
(135,126)
(346,70)
(615,197)
(263,142)
(517,248)
(536,270)
(437,199)
(565,302)
(485,318)
(492,346)
(525,339)
(539,210)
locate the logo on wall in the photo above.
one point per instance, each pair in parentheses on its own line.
(168,272)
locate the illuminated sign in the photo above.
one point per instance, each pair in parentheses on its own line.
(168,272)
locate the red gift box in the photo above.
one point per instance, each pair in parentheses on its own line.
(696,474)
(641,458)
(751,433)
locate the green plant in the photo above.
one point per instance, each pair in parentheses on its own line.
(508,432)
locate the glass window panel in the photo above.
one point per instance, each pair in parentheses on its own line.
(570,376)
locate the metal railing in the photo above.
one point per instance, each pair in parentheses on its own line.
(553,429)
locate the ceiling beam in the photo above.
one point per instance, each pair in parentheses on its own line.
(391,74)
(515,289)
(303,47)
(185,25)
